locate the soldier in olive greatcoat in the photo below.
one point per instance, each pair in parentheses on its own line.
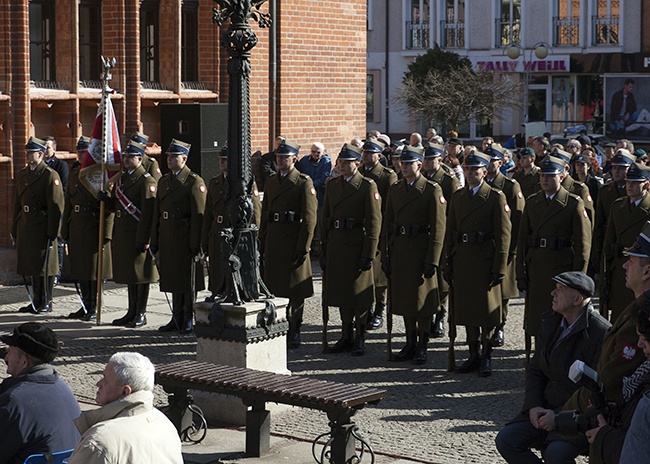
(627,216)
(516,202)
(216,217)
(132,196)
(528,173)
(554,237)
(477,245)
(38,205)
(384,178)
(80,229)
(149,163)
(289,213)
(436,171)
(414,229)
(176,235)
(351,225)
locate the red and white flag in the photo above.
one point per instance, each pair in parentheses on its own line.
(91,173)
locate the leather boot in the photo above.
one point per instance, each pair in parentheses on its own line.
(421,354)
(91,306)
(176,322)
(37,296)
(188,315)
(473,362)
(359,347)
(498,338)
(485,369)
(84,292)
(409,350)
(46,306)
(295,323)
(142,295)
(346,341)
(376,321)
(438,325)
(128,317)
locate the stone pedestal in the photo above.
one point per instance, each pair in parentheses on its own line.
(248,335)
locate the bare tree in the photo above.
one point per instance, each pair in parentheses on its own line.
(458,94)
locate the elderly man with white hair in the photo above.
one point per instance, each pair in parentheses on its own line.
(127,428)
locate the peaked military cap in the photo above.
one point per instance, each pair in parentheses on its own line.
(135,149)
(565,155)
(641,246)
(434,151)
(177,147)
(412,154)
(373,145)
(477,158)
(35,144)
(287,148)
(225,152)
(623,157)
(638,173)
(350,153)
(455,141)
(496,152)
(140,137)
(552,165)
(83,143)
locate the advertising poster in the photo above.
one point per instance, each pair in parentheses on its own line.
(627,107)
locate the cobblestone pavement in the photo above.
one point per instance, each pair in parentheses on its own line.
(430,415)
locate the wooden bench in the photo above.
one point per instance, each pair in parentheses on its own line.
(338,400)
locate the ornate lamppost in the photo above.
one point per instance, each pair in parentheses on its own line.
(541,50)
(241,281)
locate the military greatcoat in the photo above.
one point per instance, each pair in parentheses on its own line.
(80,229)
(528,182)
(384,178)
(477,242)
(623,226)
(176,232)
(150,164)
(606,197)
(139,195)
(553,238)
(288,223)
(414,227)
(38,205)
(215,218)
(351,225)
(516,202)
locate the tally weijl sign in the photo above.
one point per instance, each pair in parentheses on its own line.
(554,63)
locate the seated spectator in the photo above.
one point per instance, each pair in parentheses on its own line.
(127,428)
(607,440)
(571,331)
(36,407)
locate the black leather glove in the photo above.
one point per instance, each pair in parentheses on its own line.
(195,251)
(448,275)
(385,266)
(52,239)
(154,248)
(365,264)
(495,279)
(429,270)
(522,285)
(102,195)
(299,257)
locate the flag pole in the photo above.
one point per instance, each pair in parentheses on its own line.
(106,94)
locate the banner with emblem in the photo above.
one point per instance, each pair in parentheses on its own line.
(91,166)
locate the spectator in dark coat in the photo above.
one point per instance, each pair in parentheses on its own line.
(267,161)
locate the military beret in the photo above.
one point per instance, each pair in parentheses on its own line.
(35,144)
(578,281)
(639,152)
(35,339)
(287,148)
(476,158)
(176,147)
(526,151)
(641,246)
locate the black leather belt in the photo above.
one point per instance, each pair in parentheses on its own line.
(168,215)
(473,237)
(412,229)
(27,209)
(553,243)
(284,216)
(345,223)
(85,209)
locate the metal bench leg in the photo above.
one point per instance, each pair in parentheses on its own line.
(258,430)
(340,448)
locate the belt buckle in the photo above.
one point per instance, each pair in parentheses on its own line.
(337,224)
(26,208)
(542,243)
(76,208)
(402,230)
(118,213)
(165,215)
(219,219)
(464,238)
(276,217)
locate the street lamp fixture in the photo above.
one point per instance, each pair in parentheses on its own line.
(541,50)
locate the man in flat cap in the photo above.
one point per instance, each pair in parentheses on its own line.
(80,229)
(38,205)
(133,196)
(289,213)
(36,407)
(414,229)
(351,227)
(555,235)
(572,331)
(217,217)
(384,178)
(176,234)
(477,244)
(627,217)
(516,202)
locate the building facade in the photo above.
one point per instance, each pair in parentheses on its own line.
(574,55)
(307,80)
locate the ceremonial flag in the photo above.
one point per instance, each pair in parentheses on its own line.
(91,172)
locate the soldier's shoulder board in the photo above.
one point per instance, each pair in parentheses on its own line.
(367,180)
(304,176)
(146,174)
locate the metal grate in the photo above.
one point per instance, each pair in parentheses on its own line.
(90,84)
(605,31)
(453,34)
(507,32)
(417,35)
(151,85)
(193,86)
(567,32)
(52,85)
